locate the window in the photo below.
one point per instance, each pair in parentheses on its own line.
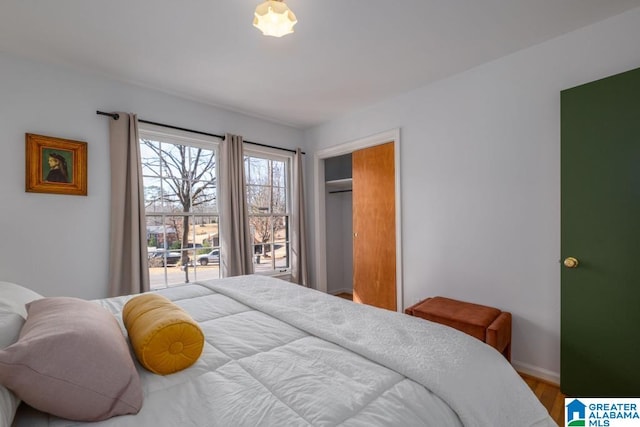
(179,179)
(180,188)
(268,180)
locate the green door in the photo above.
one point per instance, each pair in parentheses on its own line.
(600,297)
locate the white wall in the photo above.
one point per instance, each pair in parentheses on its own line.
(57,244)
(480,173)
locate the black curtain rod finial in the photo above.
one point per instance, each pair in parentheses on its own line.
(114,116)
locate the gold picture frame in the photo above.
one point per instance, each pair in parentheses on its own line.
(55,165)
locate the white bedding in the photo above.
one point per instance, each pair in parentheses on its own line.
(278,354)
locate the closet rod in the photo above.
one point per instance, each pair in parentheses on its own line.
(116,116)
(340,191)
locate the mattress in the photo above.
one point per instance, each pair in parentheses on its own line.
(278,354)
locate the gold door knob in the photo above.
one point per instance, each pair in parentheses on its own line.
(570,262)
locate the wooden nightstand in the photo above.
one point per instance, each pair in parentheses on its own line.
(488,324)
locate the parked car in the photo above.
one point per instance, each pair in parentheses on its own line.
(157,259)
(193,245)
(211,257)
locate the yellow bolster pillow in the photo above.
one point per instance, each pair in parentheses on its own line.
(164,337)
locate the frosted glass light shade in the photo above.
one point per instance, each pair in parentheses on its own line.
(274,18)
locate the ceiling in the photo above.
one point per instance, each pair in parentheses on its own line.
(343,56)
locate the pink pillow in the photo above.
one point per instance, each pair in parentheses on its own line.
(72,361)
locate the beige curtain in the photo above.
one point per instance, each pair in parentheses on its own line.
(299,268)
(128,272)
(235,239)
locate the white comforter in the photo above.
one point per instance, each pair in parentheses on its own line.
(279,354)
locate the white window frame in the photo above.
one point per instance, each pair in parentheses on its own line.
(177,137)
(287,158)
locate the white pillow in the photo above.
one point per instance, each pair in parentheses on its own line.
(8,406)
(14,298)
(13,313)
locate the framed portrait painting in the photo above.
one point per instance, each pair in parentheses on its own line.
(55,165)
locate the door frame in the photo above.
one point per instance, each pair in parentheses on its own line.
(392,135)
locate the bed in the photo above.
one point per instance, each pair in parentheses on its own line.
(278,354)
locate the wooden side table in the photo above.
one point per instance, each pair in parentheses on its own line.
(487,324)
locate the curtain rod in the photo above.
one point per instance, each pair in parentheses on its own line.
(116,116)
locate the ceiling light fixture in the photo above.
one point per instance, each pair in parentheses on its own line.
(274,18)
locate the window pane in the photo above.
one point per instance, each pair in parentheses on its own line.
(261,230)
(258,171)
(203,165)
(203,249)
(277,251)
(175,161)
(173,196)
(258,198)
(280,226)
(279,201)
(205,197)
(152,194)
(282,255)
(262,261)
(206,264)
(155,233)
(173,229)
(281,241)
(206,231)
(278,173)
(149,158)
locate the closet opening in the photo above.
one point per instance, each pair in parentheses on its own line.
(366,262)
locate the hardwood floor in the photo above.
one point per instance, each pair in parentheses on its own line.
(345,296)
(549,394)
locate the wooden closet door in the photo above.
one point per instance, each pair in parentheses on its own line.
(374,226)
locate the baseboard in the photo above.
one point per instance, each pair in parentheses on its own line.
(534,371)
(341,291)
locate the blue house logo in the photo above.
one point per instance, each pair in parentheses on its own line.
(576,413)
